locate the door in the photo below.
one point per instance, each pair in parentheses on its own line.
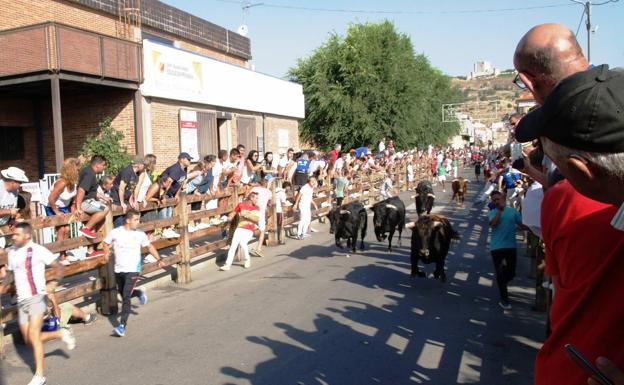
(247,133)
(207,135)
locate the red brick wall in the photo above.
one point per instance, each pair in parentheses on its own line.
(80,116)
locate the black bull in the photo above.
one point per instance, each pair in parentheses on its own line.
(431,239)
(345,222)
(424,197)
(389,215)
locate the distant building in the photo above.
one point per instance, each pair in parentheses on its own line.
(525,102)
(483,68)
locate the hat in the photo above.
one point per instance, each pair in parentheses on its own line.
(138,159)
(14,173)
(185,155)
(585,111)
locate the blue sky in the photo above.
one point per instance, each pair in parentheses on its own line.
(451,41)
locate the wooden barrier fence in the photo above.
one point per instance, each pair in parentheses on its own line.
(94,277)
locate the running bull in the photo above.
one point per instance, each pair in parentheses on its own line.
(389,216)
(346,221)
(424,197)
(431,239)
(459,187)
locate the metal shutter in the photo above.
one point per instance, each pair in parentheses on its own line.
(207,135)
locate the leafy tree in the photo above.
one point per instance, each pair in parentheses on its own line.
(107,144)
(370,84)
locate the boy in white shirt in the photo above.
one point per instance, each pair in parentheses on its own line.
(303,202)
(127,242)
(26,265)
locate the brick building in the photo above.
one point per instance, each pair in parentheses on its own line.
(169,80)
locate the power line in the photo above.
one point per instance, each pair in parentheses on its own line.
(397,12)
(580,22)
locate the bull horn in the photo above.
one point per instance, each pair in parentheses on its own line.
(437,224)
(368,206)
(344,211)
(431,195)
(391,206)
(413,196)
(410,225)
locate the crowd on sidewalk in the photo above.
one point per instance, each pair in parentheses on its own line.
(564,171)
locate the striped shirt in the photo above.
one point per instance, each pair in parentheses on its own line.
(28,266)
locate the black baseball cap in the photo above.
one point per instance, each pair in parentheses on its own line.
(585,111)
(185,155)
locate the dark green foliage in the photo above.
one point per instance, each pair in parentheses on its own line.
(107,144)
(371,84)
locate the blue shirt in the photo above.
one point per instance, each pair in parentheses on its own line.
(303,165)
(510,178)
(360,150)
(504,234)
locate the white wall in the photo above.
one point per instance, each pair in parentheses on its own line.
(172,73)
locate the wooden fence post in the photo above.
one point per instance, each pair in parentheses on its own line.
(2,356)
(183,248)
(329,189)
(108,293)
(272,239)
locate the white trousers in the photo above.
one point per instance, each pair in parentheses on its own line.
(241,238)
(305,217)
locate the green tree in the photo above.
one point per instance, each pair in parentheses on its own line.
(370,84)
(107,143)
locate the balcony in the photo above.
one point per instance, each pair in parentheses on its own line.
(57,48)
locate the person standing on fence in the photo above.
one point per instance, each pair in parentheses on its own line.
(249,213)
(126,242)
(503,222)
(88,202)
(264,197)
(61,200)
(26,266)
(303,202)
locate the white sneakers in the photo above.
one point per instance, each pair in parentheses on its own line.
(201,226)
(224,268)
(169,233)
(247,264)
(69,339)
(37,380)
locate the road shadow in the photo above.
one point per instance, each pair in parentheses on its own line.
(419,330)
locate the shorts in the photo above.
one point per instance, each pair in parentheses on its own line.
(50,212)
(92,206)
(442,178)
(32,306)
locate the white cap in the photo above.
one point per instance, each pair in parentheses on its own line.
(14,173)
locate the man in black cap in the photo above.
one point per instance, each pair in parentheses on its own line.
(580,126)
(174,177)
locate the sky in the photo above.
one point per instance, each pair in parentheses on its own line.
(452,40)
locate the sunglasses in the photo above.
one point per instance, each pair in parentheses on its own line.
(519,83)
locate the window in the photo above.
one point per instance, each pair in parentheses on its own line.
(11,143)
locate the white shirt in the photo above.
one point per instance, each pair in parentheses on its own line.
(29,273)
(217,170)
(280,197)
(264,196)
(8,200)
(143,189)
(532,208)
(339,164)
(127,248)
(283,162)
(306,192)
(386,189)
(382,146)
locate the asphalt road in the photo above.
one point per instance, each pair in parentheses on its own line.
(309,314)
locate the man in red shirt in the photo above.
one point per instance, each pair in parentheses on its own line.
(585,256)
(249,217)
(335,153)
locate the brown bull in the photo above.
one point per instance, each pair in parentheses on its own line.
(460,187)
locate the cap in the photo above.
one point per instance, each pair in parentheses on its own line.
(138,159)
(585,111)
(14,173)
(185,155)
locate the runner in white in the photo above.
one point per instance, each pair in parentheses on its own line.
(303,202)
(26,265)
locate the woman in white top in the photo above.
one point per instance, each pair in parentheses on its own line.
(251,167)
(61,200)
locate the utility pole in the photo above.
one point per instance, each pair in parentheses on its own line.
(588,24)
